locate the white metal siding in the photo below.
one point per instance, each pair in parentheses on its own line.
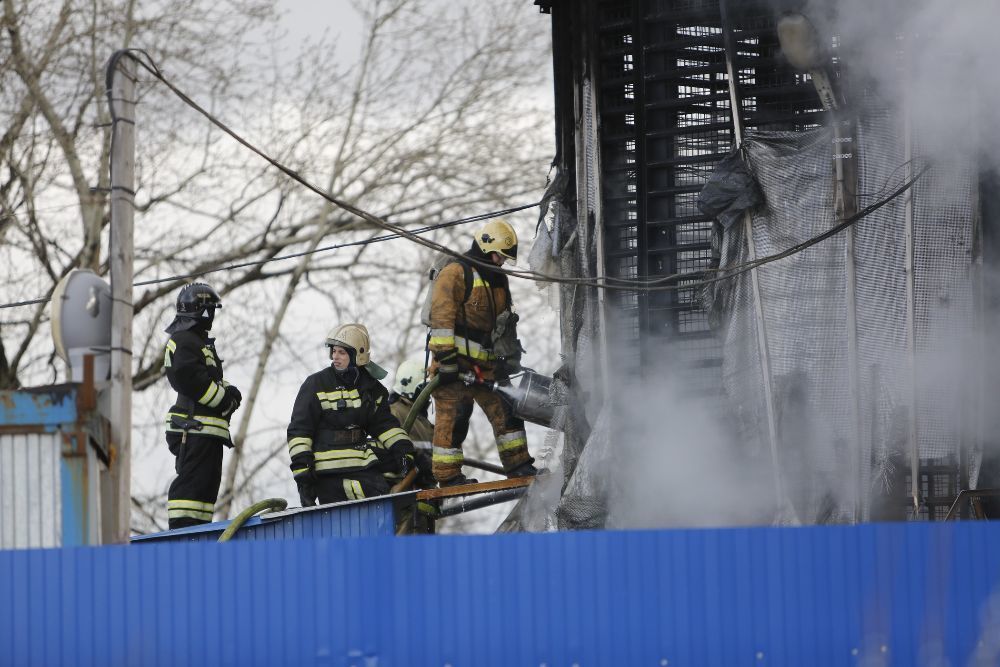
(30,490)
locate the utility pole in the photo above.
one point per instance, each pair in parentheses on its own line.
(121,77)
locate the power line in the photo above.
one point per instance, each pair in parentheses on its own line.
(377,239)
(363,242)
(623,284)
(606,282)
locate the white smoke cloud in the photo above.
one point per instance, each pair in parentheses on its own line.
(936,58)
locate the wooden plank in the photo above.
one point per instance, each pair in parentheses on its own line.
(470,489)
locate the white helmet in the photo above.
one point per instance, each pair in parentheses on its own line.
(353,336)
(409,376)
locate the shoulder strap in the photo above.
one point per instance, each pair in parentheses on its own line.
(467,271)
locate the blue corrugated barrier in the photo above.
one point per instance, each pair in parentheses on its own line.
(901,594)
(371,517)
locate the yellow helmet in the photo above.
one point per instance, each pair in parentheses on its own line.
(353,336)
(498,236)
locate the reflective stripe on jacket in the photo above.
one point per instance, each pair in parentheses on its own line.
(194,370)
(466,326)
(338,423)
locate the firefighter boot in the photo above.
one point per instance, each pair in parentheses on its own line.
(457,480)
(524,470)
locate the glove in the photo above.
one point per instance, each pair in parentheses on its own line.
(235,392)
(307,488)
(447,365)
(231,401)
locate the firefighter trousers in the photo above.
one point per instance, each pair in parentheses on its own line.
(453,409)
(192,495)
(350,486)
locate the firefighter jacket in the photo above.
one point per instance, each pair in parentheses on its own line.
(332,418)
(465,325)
(194,370)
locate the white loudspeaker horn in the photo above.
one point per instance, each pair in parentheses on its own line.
(81,323)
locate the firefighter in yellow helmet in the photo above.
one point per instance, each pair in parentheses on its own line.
(467,299)
(335,412)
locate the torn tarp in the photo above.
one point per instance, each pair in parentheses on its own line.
(730,190)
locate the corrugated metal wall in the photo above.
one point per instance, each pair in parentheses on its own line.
(30,490)
(372,517)
(899,594)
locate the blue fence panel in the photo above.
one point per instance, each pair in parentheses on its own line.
(371,517)
(899,594)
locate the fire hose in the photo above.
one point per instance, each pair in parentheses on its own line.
(276,504)
(418,404)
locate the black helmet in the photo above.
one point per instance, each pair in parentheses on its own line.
(195,298)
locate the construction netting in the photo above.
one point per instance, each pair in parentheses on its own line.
(859,388)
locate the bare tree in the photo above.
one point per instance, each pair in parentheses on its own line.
(442,114)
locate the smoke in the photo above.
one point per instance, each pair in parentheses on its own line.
(935,58)
(675,463)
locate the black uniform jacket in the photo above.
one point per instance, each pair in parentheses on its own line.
(332,420)
(194,370)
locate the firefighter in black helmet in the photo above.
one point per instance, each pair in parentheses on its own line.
(198,422)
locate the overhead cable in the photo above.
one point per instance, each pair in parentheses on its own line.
(349,244)
(604,282)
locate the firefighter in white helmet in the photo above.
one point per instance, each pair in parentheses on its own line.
(409,382)
(468,300)
(341,424)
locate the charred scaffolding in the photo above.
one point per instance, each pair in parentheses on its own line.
(838,368)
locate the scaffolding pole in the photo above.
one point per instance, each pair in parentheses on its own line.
(732,73)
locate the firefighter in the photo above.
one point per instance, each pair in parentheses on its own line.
(462,322)
(334,413)
(407,386)
(198,423)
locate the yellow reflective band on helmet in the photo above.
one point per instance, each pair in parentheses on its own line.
(299,445)
(392,436)
(446,455)
(507,443)
(472,349)
(213,395)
